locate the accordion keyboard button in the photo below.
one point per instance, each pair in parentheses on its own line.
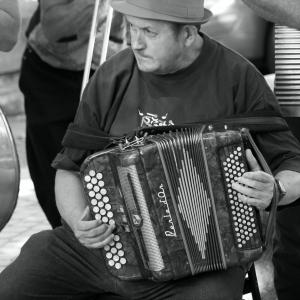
(94,181)
(111,263)
(105,199)
(98,196)
(109,255)
(96,209)
(119,245)
(123,260)
(107,206)
(98,217)
(99,175)
(116,238)
(103,192)
(87,178)
(96,188)
(121,253)
(118,266)
(92,173)
(89,186)
(92,194)
(105,220)
(116,258)
(100,204)
(110,214)
(101,183)
(94,202)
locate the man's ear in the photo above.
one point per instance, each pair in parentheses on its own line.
(190,32)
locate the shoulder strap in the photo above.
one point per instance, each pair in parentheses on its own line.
(95,139)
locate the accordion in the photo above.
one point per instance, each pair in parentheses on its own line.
(170,197)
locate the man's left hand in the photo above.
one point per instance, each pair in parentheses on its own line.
(255,187)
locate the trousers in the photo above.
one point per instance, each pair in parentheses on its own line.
(286,253)
(51,98)
(54,265)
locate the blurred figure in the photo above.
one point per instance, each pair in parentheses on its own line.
(51,78)
(9,24)
(283,12)
(286,257)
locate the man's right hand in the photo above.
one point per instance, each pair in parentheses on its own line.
(93,233)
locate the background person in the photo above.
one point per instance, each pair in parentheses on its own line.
(175,75)
(51,79)
(286,257)
(9,24)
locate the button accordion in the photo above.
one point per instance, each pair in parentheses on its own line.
(170,197)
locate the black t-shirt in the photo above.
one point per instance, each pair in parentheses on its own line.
(218,84)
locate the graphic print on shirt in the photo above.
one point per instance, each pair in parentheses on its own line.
(149,119)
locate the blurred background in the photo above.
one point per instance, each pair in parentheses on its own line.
(233,24)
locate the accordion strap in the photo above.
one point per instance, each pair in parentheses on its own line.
(92,139)
(268,218)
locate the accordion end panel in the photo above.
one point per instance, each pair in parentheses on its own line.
(104,198)
(239,223)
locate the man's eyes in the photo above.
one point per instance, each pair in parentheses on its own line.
(149,32)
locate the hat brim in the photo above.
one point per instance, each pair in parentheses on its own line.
(132,10)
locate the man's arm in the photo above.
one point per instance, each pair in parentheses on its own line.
(65,18)
(291,182)
(9,24)
(283,12)
(73,208)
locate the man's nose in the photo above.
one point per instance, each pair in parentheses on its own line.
(137,41)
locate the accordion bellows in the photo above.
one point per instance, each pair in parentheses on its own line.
(171,199)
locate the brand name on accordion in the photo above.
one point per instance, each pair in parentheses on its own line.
(163,199)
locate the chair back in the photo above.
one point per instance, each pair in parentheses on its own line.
(9,172)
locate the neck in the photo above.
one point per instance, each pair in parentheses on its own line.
(190,55)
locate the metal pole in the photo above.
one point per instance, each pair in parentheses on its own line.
(106,35)
(90,50)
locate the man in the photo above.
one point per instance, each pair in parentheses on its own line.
(286,256)
(168,77)
(51,78)
(9,24)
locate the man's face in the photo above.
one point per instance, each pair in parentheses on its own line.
(156,46)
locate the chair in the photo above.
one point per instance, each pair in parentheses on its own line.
(9,172)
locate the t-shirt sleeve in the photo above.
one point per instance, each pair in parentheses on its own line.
(74,152)
(90,130)
(281,149)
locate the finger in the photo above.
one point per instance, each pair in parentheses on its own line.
(96,232)
(252,162)
(248,191)
(259,176)
(91,241)
(103,243)
(258,203)
(256,182)
(88,225)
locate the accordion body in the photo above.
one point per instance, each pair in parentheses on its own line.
(171,199)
